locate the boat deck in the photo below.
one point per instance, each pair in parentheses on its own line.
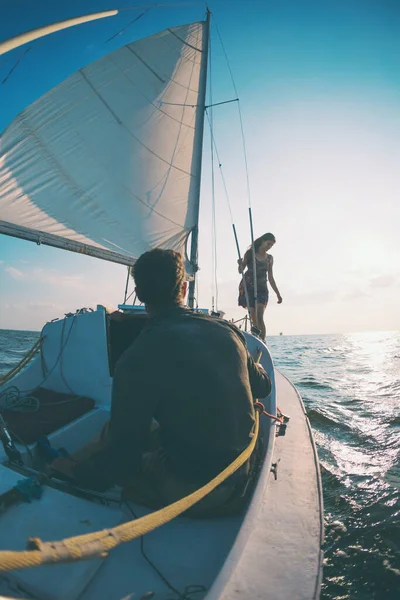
(274,553)
(272,550)
(283,557)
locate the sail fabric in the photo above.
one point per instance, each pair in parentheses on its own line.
(110,158)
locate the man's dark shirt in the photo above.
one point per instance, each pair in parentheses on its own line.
(194,375)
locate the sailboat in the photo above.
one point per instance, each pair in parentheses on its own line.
(108,164)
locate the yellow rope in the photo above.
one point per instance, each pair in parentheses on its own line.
(99,543)
(26,359)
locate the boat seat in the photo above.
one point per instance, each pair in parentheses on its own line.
(55,411)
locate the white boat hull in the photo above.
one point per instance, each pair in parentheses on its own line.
(271,551)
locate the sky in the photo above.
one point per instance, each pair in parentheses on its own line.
(319,87)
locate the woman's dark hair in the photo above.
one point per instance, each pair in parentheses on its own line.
(159,276)
(257,243)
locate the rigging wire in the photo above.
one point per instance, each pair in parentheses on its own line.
(147,8)
(127,284)
(121,31)
(214,285)
(158,5)
(230,209)
(240,115)
(130,296)
(126,296)
(246,171)
(15,65)
(220,166)
(63,345)
(196,292)
(36,44)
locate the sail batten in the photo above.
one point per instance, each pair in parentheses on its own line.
(110,160)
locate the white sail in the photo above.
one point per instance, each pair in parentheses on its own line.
(108,162)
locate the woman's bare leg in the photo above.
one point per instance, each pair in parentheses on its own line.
(260,320)
(253,316)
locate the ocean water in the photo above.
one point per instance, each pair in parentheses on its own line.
(350,385)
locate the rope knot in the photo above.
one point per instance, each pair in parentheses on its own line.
(259,406)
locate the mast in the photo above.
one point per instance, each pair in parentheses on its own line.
(34,34)
(199,128)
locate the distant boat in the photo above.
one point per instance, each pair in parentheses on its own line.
(108,164)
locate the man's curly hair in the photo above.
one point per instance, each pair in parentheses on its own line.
(159,277)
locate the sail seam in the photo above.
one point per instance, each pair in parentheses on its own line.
(181,56)
(154,153)
(85,98)
(146,65)
(183,41)
(178,52)
(130,132)
(79,193)
(133,135)
(133,195)
(96,93)
(170,79)
(125,72)
(179,132)
(153,209)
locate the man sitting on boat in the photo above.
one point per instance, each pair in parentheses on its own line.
(190,374)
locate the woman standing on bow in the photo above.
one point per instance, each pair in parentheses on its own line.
(264,272)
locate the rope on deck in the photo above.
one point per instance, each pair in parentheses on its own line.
(99,543)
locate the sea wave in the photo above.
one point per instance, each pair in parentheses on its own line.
(318,419)
(311,382)
(354,409)
(394,386)
(351,395)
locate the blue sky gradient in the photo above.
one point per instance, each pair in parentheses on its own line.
(319,83)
